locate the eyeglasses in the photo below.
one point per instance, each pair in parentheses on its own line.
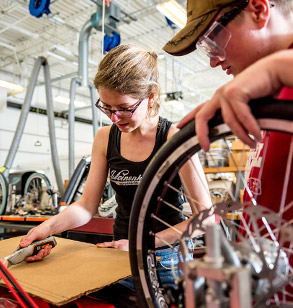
(214,41)
(121,113)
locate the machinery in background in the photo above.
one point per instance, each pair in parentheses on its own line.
(76,187)
(5,170)
(76,183)
(108,23)
(27,193)
(30,193)
(110,17)
(108,208)
(38,8)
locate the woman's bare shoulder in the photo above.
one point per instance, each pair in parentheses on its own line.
(172,131)
(102,138)
(103,132)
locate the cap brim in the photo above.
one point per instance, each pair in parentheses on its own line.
(185,40)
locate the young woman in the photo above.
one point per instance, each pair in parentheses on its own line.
(127,81)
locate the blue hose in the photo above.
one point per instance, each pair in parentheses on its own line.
(39,7)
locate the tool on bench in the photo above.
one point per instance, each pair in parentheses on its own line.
(17,257)
(23,252)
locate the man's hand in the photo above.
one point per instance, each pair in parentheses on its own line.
(235,111)
(121,245)
(263,78)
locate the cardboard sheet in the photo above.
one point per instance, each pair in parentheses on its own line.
(73,269)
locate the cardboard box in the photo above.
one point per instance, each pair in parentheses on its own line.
(238,145)
(241,193)
(239,154)
(238,158)
(73,269)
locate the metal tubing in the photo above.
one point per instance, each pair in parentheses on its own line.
(94,109)
(189,290)
(228,252)
(214,259)
(240,293)
(67,76)
(83,53)
(73,83)
(213,256)
(51,123)
(23,116)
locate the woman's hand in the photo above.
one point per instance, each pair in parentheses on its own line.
(121,245)
(38,233)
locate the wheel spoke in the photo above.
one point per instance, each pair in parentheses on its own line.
(259,240)
(286,179)
(170,205)
(161,239)
(166,224)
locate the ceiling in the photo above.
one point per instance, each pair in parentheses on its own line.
(24,37)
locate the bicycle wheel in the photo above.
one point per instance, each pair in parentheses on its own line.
(77,181)
(3,194)
(269,284)
(35,185)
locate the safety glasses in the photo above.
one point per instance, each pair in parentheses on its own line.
(214,41)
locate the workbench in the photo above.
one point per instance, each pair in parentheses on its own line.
(72,270)
(97,230)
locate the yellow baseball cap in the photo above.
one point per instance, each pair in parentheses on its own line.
(200,14)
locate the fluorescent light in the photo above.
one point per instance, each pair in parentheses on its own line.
(50,53)
(11,8)
(64,100)
(161,56)
(18,29)
(63,50)
(11,86)
(26,32)
(57,20)
(7,46)
(93,62)
(172,10)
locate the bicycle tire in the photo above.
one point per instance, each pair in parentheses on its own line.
(39,177)
(271,114)
(79,176)
(3,194)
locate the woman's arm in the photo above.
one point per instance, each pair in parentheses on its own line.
(81,211)
(196,189)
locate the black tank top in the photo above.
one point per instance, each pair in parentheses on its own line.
(125,176)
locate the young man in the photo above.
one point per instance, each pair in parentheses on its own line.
(246,32)
(252,40)
(235,35)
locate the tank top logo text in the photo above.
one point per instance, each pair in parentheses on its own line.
(122,178)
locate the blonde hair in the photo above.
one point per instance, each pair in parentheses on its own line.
(130,70)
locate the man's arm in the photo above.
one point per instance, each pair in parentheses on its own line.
(264,78)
